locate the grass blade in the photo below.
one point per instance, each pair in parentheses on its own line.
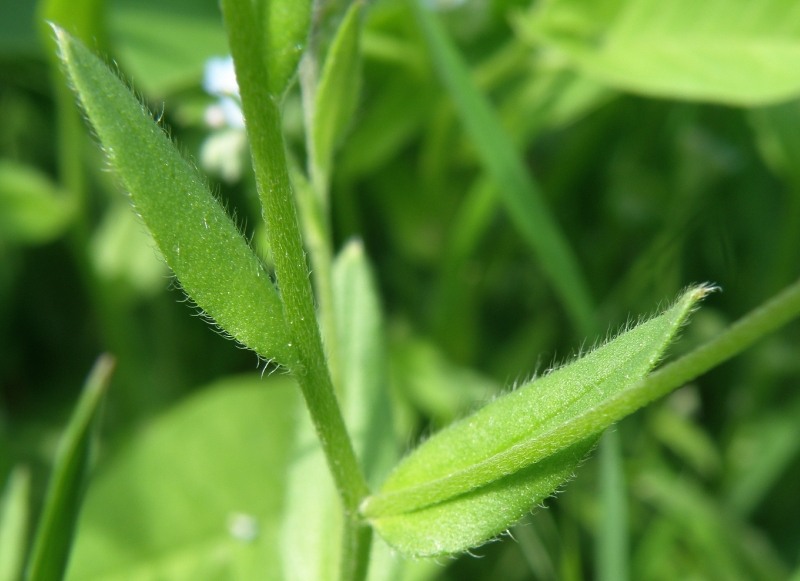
(521,195)
(65,491)
(14,524)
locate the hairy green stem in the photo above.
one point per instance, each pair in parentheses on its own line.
(262,112)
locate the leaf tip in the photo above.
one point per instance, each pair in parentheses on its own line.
(701,291)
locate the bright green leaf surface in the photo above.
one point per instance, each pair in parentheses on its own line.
(475,478)
(338,89)
(14,524)
(741,52)
(199,241)
(197,493)
(54,535)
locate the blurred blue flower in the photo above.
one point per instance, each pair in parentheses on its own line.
(222,153)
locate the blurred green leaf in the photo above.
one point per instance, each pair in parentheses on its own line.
(14,524)
(337,92)
(478,476)
(440,389)
(124,253)
(32,209)
(164,45)
(364,366)
(84,19)
(285,34)
(197,492)
(198,239)
(611,546)
(738,52)
(684,438)
(709,541)
(760,453)
(56,530)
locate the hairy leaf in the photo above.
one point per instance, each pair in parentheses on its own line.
(475,478)
(196,236)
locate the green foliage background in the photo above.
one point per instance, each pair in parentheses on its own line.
(655,183)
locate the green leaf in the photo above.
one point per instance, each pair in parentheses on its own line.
(14,524)
(197,492)
(285,34)
(740,52)
(164,45)
(475,478)
(366,406)
(199,241)
(337,93)
(122,254)
(439,388)
(54,535)
(32,209)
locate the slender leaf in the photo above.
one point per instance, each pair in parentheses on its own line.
(477,477)
(199,241)
(285,30)
(740,52)
(612,534)
(14,524)
(32,209)
(337,93)
(54,535)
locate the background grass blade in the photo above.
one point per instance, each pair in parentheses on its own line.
(611,546)
(522,197)
(54,535)
(14,524)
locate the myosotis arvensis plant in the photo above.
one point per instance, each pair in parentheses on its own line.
(474,479)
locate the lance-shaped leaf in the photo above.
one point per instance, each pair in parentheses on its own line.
(475,478)
(198,239)
(55,532)
(337,93)
(285,32)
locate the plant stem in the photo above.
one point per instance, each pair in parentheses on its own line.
(308,365)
